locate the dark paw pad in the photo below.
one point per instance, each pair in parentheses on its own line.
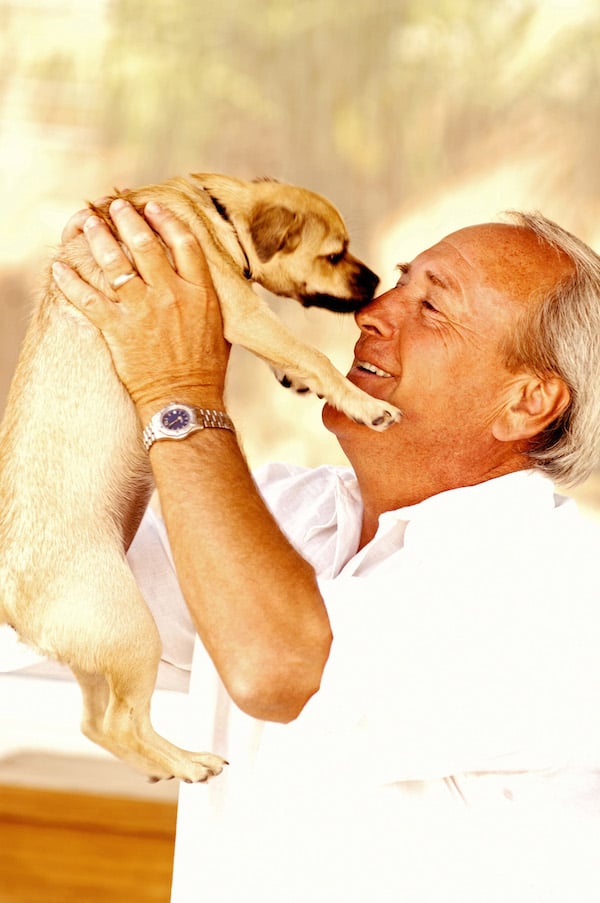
(385,418)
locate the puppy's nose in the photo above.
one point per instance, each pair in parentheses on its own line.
(364,284)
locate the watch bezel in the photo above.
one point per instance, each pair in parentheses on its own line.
(175,432)
(199,419)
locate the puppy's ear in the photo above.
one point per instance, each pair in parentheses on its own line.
(274,228)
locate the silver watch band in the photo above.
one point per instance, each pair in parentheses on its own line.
(203,418)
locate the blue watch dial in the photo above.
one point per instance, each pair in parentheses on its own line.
(176,419)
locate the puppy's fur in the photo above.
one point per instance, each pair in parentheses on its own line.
(74,477)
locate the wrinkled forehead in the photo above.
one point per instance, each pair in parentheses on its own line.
(508,258)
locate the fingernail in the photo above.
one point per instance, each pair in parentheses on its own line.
(91,222)
(59,269)
(153,207)
(118,204)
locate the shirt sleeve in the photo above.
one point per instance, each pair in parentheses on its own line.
(149,558)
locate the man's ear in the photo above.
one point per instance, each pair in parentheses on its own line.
(274,228)
(535,402)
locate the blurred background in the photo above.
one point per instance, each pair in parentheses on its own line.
(414,116)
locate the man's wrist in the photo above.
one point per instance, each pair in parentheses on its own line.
(178,420)
(204,400)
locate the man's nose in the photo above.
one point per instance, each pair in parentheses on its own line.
(380,317)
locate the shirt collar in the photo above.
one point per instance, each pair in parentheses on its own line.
(497,505)
(513,492)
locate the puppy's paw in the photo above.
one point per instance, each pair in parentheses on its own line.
(195,768)
(356,404)
(375,414)
(289,382)
(202,767)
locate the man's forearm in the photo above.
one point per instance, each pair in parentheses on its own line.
(253,598)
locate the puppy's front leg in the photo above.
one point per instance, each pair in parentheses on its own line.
(249,322)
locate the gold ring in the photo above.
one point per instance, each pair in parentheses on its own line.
(121,280)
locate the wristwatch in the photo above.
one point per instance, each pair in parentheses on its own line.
(176,421)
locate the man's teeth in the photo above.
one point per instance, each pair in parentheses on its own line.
(371,368)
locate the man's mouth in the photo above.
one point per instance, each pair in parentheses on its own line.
(371,368)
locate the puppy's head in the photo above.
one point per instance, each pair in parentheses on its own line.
(296,244)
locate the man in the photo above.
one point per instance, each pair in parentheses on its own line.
(401,661)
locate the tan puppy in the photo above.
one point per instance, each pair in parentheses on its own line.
(74,476)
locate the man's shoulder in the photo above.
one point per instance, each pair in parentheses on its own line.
(577,528)
(277,479)
(308,504)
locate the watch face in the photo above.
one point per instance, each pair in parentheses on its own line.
(176,419)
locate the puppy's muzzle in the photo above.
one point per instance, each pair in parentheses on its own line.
(361,288)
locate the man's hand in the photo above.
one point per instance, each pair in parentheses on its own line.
(164,328)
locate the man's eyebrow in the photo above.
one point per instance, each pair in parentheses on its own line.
(444,282)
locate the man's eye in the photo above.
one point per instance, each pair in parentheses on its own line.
(429,306)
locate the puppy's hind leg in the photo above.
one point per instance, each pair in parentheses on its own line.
(118,713)
(128,729)
(115,654)
(95,694)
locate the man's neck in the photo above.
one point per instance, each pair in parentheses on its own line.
(387,489)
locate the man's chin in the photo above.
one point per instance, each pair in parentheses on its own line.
(329,416)
(337,422)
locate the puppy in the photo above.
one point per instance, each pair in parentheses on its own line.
(74,475)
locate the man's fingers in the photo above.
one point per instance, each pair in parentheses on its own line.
(149,255)
(76,223)
(141,238)
(108,254)
(187,253)
(82,296)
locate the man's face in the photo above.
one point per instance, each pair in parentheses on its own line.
(432,344)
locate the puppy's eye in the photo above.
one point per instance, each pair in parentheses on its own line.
(335,258)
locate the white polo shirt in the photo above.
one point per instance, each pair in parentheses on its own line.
(453,750)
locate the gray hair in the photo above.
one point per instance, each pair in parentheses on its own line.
(560,334)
